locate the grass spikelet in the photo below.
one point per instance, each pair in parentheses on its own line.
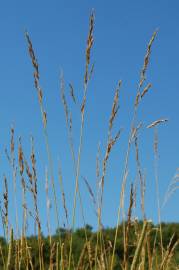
(45,119)
(111,143)
(62,90)
(146,89)
(157,122)
(72,94)
(115,106)
(90,191)
(137,99)
(12,140)
(20,158)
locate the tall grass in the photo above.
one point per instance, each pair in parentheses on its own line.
(95,253)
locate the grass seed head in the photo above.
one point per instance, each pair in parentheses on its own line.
(157,122)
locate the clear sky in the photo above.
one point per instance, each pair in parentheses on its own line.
(59,30)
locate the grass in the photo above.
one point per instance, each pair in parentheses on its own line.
(94,252)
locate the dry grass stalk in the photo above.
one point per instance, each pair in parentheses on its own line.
(10,250)
(17,253)
(81,258)
(2,256)
(23,256)
(30,257)
(68,118)
(22,251)
(52,256)
(141,178)
(98,159)
(48,205)
(98,163)
(86,258)
(86,80)
(102,262)
(23,184)
(169,253)
(92,196)
(138,96)
(57,257)
(63,195)
(33,182)
(148,246)
(44,121)
(24,206)
(90,254)
(111,141)
(154,249)
(156,156)
(70,137)
(139,245)
(143,256)
(14,174)
(63,264)
(126,235)
(32,187)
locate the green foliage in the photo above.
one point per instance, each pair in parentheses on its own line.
(169,230)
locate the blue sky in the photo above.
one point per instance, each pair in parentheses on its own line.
(59,30)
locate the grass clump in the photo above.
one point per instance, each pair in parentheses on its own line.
(132,244)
